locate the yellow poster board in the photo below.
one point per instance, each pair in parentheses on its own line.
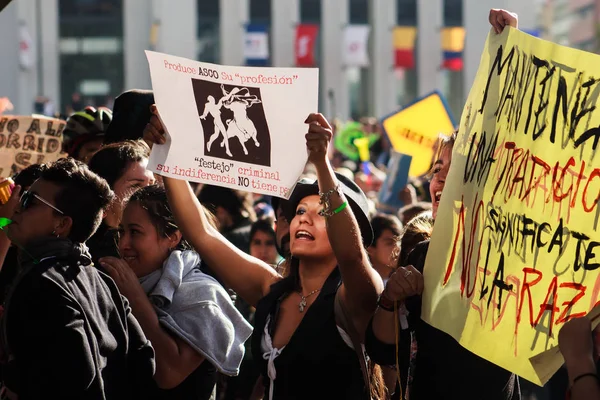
(415,129)
(515,252)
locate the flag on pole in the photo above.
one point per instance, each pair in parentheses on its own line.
(404,46)
(453,44)
(256,45)
(27,56)
(305,45)
(355,48)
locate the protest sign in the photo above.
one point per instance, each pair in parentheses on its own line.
(415,129)
(26,140)
(513,255)
(395,181)
(237,127)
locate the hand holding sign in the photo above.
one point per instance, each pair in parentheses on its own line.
(403,283)
(575,341)
(318,137)
(501,18)
(154,132)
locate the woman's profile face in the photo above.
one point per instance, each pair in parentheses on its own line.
(140,244)
(37,219)
(308,232)
(438,180)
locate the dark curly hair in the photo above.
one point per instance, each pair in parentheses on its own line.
(83,195)
(153,199)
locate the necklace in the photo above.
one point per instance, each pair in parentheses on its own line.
(302,304)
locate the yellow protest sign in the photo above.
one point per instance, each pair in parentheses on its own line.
(26,140)
(515,252)
(415,129)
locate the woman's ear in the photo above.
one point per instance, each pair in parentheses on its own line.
(174,239)
(63,229)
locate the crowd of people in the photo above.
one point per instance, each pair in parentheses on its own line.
(117,283)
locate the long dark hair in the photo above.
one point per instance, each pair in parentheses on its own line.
(153,199)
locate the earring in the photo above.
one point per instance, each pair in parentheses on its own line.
(55,234)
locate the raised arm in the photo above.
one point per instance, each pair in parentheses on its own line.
(249,277)
(361,283)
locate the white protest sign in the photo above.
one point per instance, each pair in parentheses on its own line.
(26,140)
(237,127)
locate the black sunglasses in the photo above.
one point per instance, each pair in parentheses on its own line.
(28,196)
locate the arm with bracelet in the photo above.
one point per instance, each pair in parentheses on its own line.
(361,283)
(577,347)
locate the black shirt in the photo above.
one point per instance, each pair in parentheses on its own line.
(316,363)
(443,368)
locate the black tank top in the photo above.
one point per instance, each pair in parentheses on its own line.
(316,363)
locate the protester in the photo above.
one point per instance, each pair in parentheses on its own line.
(189,318)
(67,332)
(123,165)
(282,225)
(577,347)
(416,231)
(432,372)
(386,232)
(234,212)
(410,211)
(262,242)
(300,357)
(84,132)
(9,253)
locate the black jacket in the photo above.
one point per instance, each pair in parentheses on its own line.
(67,333)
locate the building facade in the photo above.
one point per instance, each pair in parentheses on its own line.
(89,51)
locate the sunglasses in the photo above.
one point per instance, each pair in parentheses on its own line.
(28,196)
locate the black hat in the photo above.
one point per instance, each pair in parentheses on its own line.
(131,114)
(356,200)
(277,201)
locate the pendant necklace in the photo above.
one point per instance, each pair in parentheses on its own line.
(302,304)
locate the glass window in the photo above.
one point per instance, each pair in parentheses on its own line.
(91,52)
(260,10)
(453,13)
(208,9)
(310,11)
(407,12)
(90,7)
(359,12)
(208,31)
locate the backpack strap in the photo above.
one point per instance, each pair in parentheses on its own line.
(348,326)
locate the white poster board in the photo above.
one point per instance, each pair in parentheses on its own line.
(237,127)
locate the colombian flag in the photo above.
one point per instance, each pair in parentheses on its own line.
(404,45)
(453,44)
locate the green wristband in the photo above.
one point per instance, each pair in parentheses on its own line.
(340,208)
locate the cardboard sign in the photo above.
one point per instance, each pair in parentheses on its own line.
(237,127)
(515,253)
(415,129)
(395,181)
(26,140)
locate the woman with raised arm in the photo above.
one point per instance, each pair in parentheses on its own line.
(432,365)
(302,343)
